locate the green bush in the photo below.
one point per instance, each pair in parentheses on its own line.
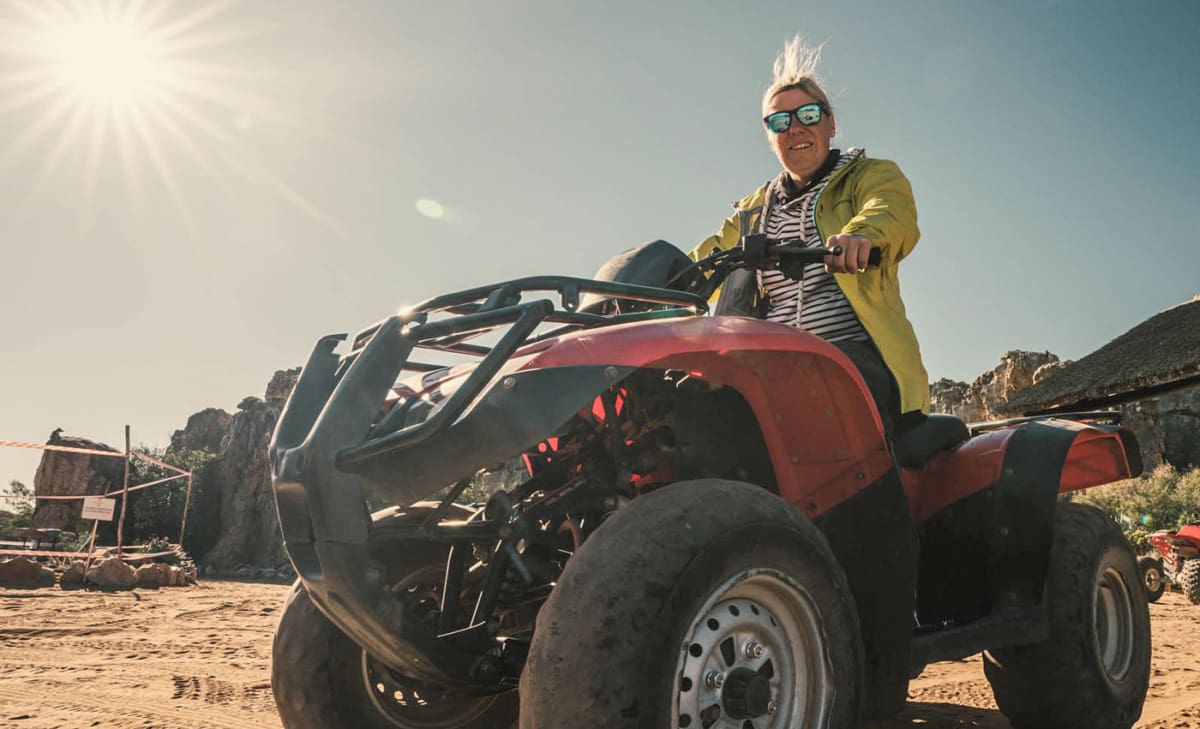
(1162,499)
(21,509)
(157,511)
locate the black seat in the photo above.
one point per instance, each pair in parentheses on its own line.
(914,446)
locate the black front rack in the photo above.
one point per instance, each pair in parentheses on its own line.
(478,311)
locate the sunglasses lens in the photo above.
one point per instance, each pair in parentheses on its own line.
(779,121)
(809,115)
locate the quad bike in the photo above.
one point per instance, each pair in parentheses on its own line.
(700,523)
(1179,563)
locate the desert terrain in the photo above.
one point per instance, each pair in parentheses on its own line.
(199,658)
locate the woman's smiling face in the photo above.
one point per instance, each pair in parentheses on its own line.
(801,150)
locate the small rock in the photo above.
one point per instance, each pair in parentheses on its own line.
(72,577)
(112,573)
(151,575)
(24,572)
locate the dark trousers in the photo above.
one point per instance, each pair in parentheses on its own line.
(880,381)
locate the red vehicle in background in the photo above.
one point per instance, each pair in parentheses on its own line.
(1179,563)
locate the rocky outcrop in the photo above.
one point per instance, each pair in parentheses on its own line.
(72,474)
(203,432)
(241,474)
(984,398)
(280,387)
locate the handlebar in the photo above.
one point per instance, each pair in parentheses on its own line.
(760,253)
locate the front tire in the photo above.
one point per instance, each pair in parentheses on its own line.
(1152,577)
(704,604)
(323,680)
(1094,669)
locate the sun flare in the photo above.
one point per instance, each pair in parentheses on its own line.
(150,88)
(107,61)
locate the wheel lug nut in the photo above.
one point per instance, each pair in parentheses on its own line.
(714,679)
(753,649)
(772,706)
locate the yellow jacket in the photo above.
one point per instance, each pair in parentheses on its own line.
(871,198)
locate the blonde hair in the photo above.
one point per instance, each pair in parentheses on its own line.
(796,68)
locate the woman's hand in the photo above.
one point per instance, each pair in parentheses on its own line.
(855,251)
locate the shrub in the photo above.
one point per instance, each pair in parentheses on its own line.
(21,509)
(157,510)
(1162,499)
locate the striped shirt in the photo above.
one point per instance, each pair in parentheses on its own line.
(816,304)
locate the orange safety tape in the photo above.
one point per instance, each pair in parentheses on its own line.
(31,496)
(64,449)
(147,485)
(32,553)
(154,460)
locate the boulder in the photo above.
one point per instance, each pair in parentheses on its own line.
(73,474)
(153,575)
(112,573)
(72,577)
(24,572)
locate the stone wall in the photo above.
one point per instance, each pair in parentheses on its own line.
(1167,428)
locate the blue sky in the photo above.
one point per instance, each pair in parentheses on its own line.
(158,264)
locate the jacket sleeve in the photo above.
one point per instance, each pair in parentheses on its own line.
(886,211)
(725,238)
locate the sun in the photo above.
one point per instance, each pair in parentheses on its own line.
(107,61)
(149,88)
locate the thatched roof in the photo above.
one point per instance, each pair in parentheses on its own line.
(1159,353)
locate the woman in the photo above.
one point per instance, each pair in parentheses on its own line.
(828,197)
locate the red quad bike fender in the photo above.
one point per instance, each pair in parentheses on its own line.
(1062,455)
(1173,546)
(813,408)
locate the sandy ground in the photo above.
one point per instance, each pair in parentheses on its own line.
(199,658)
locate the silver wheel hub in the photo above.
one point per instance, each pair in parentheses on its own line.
(754,657)
(1153,579)
(1114,622)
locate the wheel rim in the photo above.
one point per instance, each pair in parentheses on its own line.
(755,657)
(1153,579)
(407,705)
(1114,623)
(403,702)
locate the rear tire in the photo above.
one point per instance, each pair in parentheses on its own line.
(323,680)
(1189,580)
(1152,577)
(694,581)
(1094,669)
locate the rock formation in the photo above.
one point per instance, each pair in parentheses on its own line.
(983,399)
(72,474)
(241,475)
(1167,426)
(203,432)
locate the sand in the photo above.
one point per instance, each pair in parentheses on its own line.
(199,658)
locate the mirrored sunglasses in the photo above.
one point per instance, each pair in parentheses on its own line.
(780,121)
